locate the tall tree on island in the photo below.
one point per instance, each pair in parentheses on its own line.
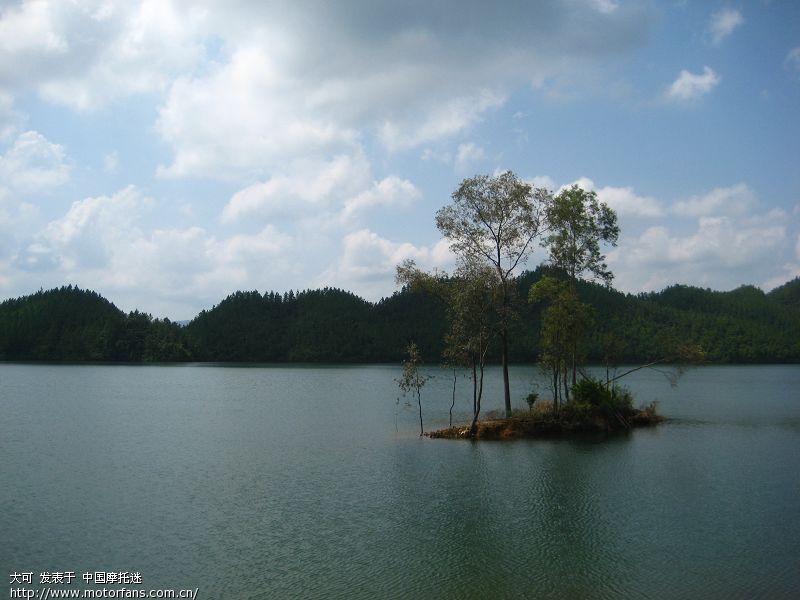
(577,224)
(494,220)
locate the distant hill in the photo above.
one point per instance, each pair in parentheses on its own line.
(333,325)
(70,324)
(788,294)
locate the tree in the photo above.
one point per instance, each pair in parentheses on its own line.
(577,225)
(470,297)
(494,221)
(565,321)
(412,380)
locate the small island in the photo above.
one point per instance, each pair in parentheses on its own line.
(542,422)
(493,224)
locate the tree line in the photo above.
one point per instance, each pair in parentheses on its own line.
(745,325)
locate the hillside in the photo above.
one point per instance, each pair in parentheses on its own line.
(332,325)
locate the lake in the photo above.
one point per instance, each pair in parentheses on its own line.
(312,482)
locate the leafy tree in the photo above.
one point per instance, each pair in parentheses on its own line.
(412,380)
(577,225)
(565,322)
(494,220)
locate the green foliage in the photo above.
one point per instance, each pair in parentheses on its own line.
(590,391)
(609,402)
(577,224)
(493,220)
(531,399)
(69,324)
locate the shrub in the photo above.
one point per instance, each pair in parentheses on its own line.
(531,399)
(591,392)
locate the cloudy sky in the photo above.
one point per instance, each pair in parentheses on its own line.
(166,153)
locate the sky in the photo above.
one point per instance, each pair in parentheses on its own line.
(166,153)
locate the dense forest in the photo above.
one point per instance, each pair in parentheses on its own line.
(745,325)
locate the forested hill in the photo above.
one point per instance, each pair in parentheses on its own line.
(69,324)
(331,325)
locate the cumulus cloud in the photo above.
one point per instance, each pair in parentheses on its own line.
(723,22)
(368,262)
(624,201)
(390,191)
(454,116)
(33,164)
(102,243)
(9,118)
(542,181)
(306,184)
(733,200)
(85,54)
(723,252)
(318,82)
(689,86)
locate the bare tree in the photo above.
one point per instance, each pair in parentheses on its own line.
(412,380)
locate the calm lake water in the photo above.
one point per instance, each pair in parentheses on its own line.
(276,482)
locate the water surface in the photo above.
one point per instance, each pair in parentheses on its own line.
(271,482)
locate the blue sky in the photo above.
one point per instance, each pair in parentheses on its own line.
(166,153)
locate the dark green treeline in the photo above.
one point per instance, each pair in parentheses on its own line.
(331,325)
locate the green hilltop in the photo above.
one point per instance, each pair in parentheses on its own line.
(744,325)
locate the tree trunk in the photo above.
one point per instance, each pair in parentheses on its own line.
(556,386)
(419,403)
(474,427)
(453,403)
(474,387)
(506,387)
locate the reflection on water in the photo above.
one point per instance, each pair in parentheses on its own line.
(276,482)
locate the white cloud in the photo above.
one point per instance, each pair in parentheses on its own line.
(247,116)
(723,22)
(320,82)
(722,252)
(542,181)
(624,201)
(307,184)
(689,86)
(31,28)
(9,118)
(102,244)
(33,164)
(733,200)
(390,191)
(88,234)
(368,262)
(440,122)
(85,54)
(469,153)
